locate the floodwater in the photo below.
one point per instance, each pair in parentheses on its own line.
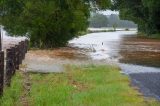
(132,53)
(8,41)
(140,51)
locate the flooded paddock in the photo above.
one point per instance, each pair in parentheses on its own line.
(140,51)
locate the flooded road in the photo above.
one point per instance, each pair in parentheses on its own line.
(124,48)
(137,57)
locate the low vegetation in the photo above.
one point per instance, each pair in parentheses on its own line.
(78,86)
(12,94)
(152,36)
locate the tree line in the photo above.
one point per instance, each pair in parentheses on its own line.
(98,20)
(143,12)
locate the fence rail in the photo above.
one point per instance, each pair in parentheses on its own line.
(10,61)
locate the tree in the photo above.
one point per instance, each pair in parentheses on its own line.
(114,26)
(48,23)
(98,20)
(144,12)
(114,20)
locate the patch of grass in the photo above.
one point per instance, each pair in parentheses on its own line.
(49,89)
(12,94)
(81,86)
(153,36)
(85,86)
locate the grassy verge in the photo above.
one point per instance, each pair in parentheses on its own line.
(83,86)
(12,94)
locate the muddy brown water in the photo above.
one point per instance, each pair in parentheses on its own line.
(131,52)
(140,51)
(135,53)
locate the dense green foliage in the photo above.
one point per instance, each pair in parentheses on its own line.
(48,23)
(144,12)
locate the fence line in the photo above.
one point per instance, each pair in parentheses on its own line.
(1,71)
(10,61)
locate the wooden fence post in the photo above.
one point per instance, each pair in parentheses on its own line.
(0,38)
(13,59)
(26,45)
(17,56)
(9,66)
(20,53)
(1,72)
(23,49)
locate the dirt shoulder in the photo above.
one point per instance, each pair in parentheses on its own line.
(55,60)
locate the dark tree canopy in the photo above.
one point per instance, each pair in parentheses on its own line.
(144,12)
(48,23)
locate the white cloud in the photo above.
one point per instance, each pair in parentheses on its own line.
(109,12)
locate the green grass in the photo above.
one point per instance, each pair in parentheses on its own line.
(87,86)
(83,86)
(12,94)
(153,36)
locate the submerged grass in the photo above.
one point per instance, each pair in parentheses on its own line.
(83,86)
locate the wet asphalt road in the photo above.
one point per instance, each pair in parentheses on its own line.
(148,83)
